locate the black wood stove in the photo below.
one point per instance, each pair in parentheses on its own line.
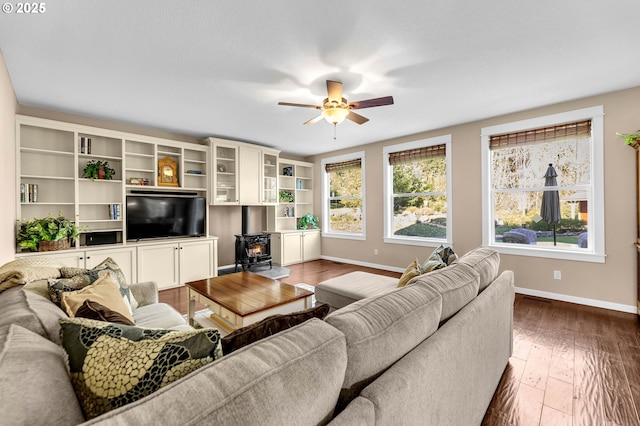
(252,249)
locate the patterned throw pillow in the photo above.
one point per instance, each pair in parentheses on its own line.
(111,365)
(413,270)
(271,325)
(441,257)
(77,278)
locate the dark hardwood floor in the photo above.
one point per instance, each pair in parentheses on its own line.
(571,364)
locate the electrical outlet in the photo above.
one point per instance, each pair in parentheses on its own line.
(375,252)
(557,275)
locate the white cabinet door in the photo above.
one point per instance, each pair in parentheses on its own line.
(159,263)
(291,248)
(249,175)
(72,259)
(311,248)
(196,261)
(124,257)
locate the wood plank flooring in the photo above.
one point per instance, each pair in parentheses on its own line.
(572,365)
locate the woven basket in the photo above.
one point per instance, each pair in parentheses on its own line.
(54,245)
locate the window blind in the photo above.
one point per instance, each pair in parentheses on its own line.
(417,154)
(529,137)
(349,164)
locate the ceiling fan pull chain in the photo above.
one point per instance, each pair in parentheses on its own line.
(335,127)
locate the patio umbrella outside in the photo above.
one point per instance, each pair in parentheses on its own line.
(550,209)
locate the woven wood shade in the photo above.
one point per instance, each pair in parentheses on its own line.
(417,154)
(528,137)
(350,164)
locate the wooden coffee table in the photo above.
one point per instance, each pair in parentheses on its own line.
(240,299)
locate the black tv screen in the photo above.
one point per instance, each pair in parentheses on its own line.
(163,216)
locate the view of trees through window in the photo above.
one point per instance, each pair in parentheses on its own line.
(345,200)
(419,198)
(518,182)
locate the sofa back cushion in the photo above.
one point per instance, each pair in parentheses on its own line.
(31,311)
(380,330)
(35,386)
(457,284)
(485,261)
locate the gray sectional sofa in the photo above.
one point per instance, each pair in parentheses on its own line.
(431,352)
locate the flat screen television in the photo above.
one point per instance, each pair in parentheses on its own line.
(151,216)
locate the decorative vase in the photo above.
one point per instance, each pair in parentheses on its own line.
(101,173)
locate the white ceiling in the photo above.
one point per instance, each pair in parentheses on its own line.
(218,68)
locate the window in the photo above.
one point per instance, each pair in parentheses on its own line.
(417,192)
(543,179)
(343,196)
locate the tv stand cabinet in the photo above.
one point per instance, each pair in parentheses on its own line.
(168,262)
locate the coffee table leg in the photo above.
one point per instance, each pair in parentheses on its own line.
(191,310)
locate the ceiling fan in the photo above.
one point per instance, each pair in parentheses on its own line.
(335,108)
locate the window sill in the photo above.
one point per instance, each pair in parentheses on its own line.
(417,242)
(533,251)
(344,236)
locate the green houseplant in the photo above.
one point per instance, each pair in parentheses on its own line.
(93,170)
(631,139)
(308,221)
(286,196)
(31,233)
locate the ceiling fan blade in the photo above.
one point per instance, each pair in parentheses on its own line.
(357,118)
(299,105)
(369,103)
(314,120)
(334,91)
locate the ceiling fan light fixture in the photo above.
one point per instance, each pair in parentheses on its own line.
(335,116)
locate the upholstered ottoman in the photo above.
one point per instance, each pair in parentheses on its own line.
(346,289)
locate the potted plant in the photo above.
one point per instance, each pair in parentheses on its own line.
(46,234)
(98,169)
(308,221)
(286,196)
(631,139)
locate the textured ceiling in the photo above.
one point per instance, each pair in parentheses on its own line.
(214,68)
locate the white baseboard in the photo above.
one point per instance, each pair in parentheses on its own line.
(367,264)
(579,300)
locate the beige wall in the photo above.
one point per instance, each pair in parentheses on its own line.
(8,105)
(613,282)
(226,221)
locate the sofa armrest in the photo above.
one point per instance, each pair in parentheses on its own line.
(146,293)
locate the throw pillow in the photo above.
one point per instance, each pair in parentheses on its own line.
(269,326)
(28,269)
(96,311)
(440,258)
(413,270)
(103,291)
(77,278)
(111,365)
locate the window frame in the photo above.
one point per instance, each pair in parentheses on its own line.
(388,235)
(326,198)
(596,251)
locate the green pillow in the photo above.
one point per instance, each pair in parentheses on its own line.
(111,365)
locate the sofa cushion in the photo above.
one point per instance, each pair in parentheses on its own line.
(271,325)
(96,311)
(413,270)
(112,364)
(290,378)
(381,329)
(31,311)
(103,291)
(34,385)
(348,288)
(158,315)
(485,261)
(458,285)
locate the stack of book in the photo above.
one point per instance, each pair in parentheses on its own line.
(115,212)
(85,145)
(28,192)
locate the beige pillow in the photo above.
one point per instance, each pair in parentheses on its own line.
(103,291)
(413,270)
